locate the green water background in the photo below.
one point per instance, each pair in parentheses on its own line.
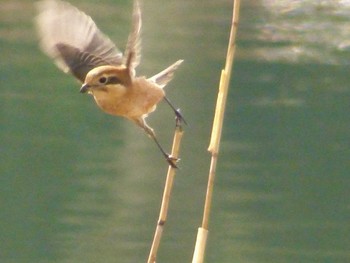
(77,185)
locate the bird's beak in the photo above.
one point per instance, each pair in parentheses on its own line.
(85,88)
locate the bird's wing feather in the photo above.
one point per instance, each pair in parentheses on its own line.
(132,55)
(163,77)
(79,63)
(73,39)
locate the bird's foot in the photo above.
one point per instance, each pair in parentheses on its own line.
(179,118)
(172,160)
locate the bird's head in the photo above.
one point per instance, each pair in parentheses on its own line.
(103,78)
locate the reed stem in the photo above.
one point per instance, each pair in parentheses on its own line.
(214,145)
(166,196)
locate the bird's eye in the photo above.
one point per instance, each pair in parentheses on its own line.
(103,80)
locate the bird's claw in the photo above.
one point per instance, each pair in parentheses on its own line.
(179,118)
(172,160)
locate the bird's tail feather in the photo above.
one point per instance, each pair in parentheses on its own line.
(163,77)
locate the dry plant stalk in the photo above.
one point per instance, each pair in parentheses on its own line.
(166,196)
(198,256)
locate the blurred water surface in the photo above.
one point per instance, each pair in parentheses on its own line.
(78,185)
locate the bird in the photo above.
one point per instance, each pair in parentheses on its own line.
(77,46)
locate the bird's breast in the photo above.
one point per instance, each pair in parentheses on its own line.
(131,102)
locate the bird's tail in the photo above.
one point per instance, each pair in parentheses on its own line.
(163,77)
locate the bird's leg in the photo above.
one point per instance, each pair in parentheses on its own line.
(178,116)
(170,159)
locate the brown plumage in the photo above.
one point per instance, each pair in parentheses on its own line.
(73,40)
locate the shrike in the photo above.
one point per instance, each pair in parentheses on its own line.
(73,40)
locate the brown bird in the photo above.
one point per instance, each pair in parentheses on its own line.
(73,40)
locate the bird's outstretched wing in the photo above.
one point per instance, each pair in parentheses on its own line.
(132,55)
(73,39)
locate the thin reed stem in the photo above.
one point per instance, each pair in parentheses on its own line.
(198,256)
(166,197)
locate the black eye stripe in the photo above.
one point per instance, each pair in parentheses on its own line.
(113,80)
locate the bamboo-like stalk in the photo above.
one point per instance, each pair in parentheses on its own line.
(198,256)
(166,196)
